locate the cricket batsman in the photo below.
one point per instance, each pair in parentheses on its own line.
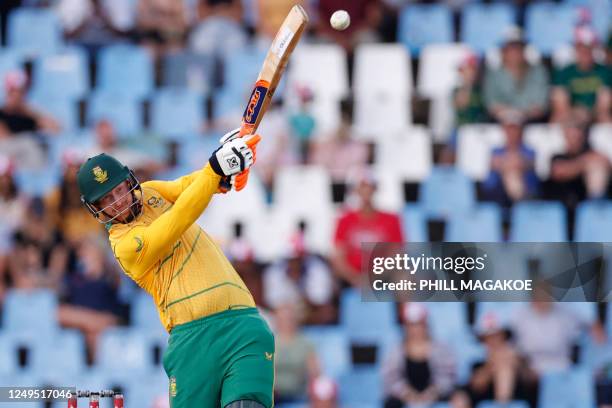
(220,352)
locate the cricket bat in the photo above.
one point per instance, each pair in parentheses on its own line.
(271,72)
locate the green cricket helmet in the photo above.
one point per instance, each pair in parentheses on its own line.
(98,176)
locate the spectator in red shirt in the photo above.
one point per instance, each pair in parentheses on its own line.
(364,224)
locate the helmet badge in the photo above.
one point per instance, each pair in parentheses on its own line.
(99,175)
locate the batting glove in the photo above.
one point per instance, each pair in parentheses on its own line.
(234,156)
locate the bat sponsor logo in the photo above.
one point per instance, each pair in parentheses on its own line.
(255,103)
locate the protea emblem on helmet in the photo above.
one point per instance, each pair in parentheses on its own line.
(99,175)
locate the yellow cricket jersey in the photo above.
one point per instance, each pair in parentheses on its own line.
(167,254)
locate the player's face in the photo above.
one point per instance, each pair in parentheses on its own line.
(116,204)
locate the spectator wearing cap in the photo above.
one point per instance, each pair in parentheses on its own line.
(504,375)
(303,278)
(418,370)
(582,90)
(161,25)
(296,361)
(580,172)
(16,116)
(512,177)
(517,90)
(361,223)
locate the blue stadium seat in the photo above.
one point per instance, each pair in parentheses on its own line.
(483,25)
(482,224)
(34,32)
(333,348)
(593,222)
(550,25)
(538,221)
(191,151)
(123,353)
(9,363)
(64,75)
(366,322)
(511,404)
(177,113)
(446,191)
(64,110)
(360,386)
(595,356)
(468,351)
(414,222)
(187,70)
(143,391)
(145,315)
(420,25)
(30,311)
(125,113)
(600,14)
(447,320)
(571,389)
(240,70)
(61,353)
(609,319)
(126,69)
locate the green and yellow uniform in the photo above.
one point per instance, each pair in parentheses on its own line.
(583,86)
(220,349)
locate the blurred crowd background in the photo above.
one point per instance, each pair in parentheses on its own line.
(458,120)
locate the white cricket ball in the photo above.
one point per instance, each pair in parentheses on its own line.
(340,20)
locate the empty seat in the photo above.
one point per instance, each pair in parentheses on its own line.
(538,221)
(305,188)
(511,404)
(593,222)
(360,387)
(447,321)
(64,75)
(550,25)
(177,113)
(144,314)
(389,194)
(125,69)
(573,388)
(367,322)
(123,352)
(446,191)
(187,70)
(600,140)
(240,70)
(481,224)
(474,146)
(61,353)
(34,31)
(8,356)
(483,25)
(36,182)
(414,224)
(30,311)
(64,110)
(124,112)
(420,25)
(546,141)
(332,347)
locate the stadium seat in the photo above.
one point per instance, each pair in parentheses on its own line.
(599,14)
(609,318)
(550,25)
(574,388)
(64,110)
(511,404)
(240,70)
(481,224)
(422,25)
(304,188)
(366,322)
(177,113)
(483,25)
(61,353)
(414,140)
(593,222)
(63,75)
(333,348)
(217,35)
(414,223)
(144,315)
(595,356)
(9,363)
(382,107)
(546,141)
(448,321)
(144,391)
(600,140)
(446,191)
(538,221)
(474,146)
(187,70)
(125,113)
(389,193)
(125,69)
(360,386)
(34,32)
(30,311)
(123,353)
(36,182)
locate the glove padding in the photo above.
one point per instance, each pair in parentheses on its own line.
(234,156)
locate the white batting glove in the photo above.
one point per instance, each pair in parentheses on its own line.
(234,156)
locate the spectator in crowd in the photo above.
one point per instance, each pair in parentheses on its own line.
(40,255)
(363,223)
(323,393)
(580,172)
(340,153)
(418,371)
(296,361)
(302,278)
(512,177)
(504,375)
(302,123)
(161,25)
(275,12)
(16,116)
(582,90)
(365,15)
(219,29)
(609,50)
(90,298)
(546,332)
(241,254)
(63,205)
(517,90)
